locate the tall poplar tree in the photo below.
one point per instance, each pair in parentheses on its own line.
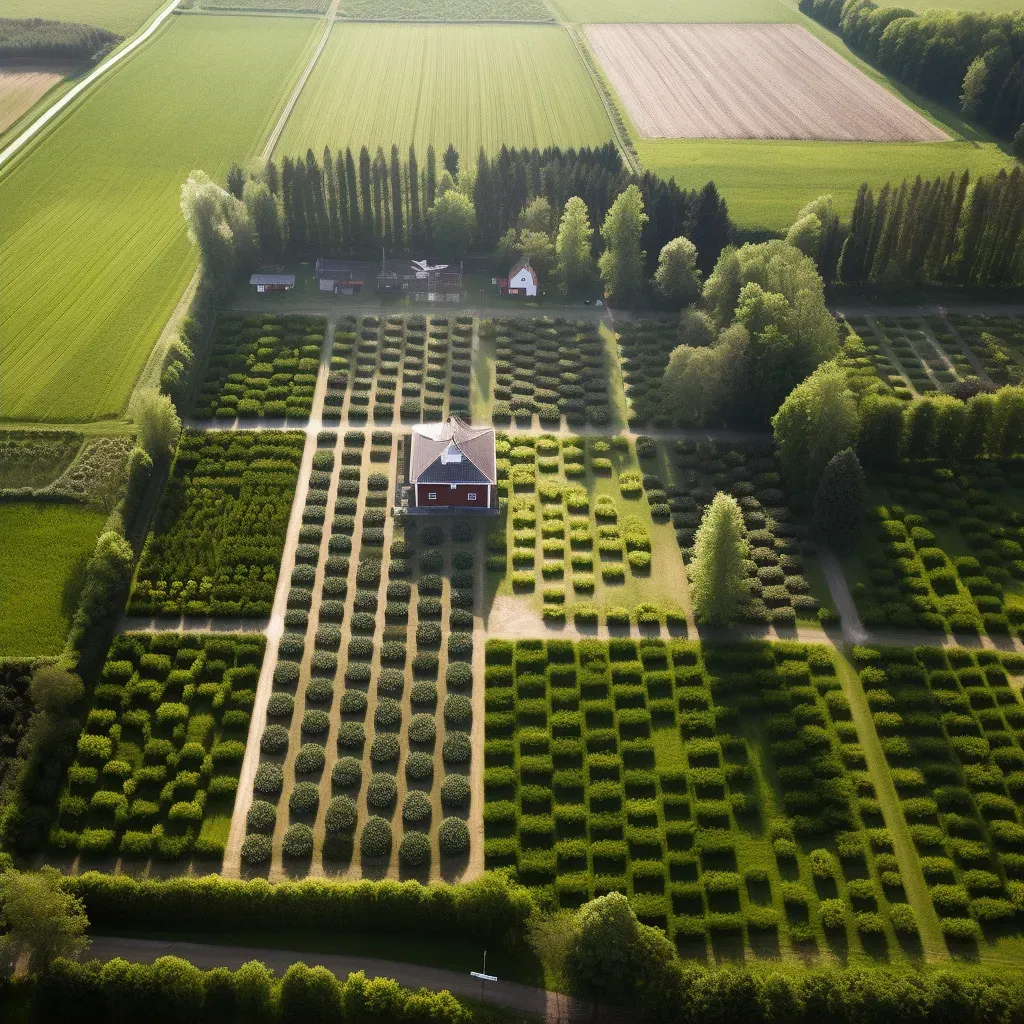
(718,578)
(622,262)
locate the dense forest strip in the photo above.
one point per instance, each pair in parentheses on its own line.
(54,40)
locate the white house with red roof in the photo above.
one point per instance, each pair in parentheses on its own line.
(522,280)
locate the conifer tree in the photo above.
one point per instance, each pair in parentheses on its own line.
(397,204)
(415,217)
(431,182)
(718,574)
(840,500)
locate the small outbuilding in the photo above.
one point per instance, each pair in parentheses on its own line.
(450,469)
(522,280)
(340,277)
(272,282)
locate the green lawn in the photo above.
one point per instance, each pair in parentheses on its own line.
(472,85)
(94,249)
(122,16)
(594,11)
(766,183)
(43,551)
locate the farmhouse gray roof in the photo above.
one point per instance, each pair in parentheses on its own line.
(452,452)
(287,279)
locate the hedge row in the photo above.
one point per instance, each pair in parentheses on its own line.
(215,547)
(261,366)
(156,765)
(550,367)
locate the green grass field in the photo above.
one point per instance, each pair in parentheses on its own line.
(43,551)
(446,10)
(766,183)
(471,85)
(696,11)
(94,245)
(122,16)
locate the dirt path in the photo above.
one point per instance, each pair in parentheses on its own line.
(549,1005)
(275,628)
(268,149)
(72,94)
(853,629)
(892,812)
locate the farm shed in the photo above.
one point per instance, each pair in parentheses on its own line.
(272,282)
(341,277)
(522,280)
(450,468)
(423,281)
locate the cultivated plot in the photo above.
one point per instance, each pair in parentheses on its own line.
(472,85)
(748,82)
(444,10)
(20,88)
(685,11)
(123,16)
(94,261)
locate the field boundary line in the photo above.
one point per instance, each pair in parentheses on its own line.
(623,145)
(275,135)
(72,94)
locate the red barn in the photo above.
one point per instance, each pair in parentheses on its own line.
(451,468)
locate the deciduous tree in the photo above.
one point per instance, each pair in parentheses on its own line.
(622,262)
(41,921)
(452,224)
(572,247)
(157,422)
(677,279)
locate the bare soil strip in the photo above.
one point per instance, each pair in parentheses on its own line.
(748,82)
(21,88)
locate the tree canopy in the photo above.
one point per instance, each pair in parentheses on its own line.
(718,576)
(677,279)
(622,262)
(572,246)
(41,921)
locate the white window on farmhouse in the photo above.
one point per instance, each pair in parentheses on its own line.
(472,495)
(431,495)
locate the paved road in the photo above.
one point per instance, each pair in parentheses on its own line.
(72,94)
(550,1005)
(964,308)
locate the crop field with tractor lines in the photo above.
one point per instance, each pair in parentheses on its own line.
(94,247)
(472,85)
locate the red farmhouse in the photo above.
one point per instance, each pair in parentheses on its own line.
(451,469)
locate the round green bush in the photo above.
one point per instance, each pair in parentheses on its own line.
(341,815)
(423,694)
(351,734)
(274,739)
(416,807)
(347,772)
(422,728)
(268,779)
(390,681)
(319,691)
(414,850)
(257,849)
(382,790)
(453,837)
(459,675)
(353,702)
(457,748)
(384,747)
(286,674)
(280,705)
(375,840)
(388,714)
(458,709)
(262,816)
(454,790)
(310,759)
(298,841)
(305,798)
(316,722)
(419,765)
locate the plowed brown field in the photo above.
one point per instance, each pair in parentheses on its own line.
(20,87)
(748,82)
